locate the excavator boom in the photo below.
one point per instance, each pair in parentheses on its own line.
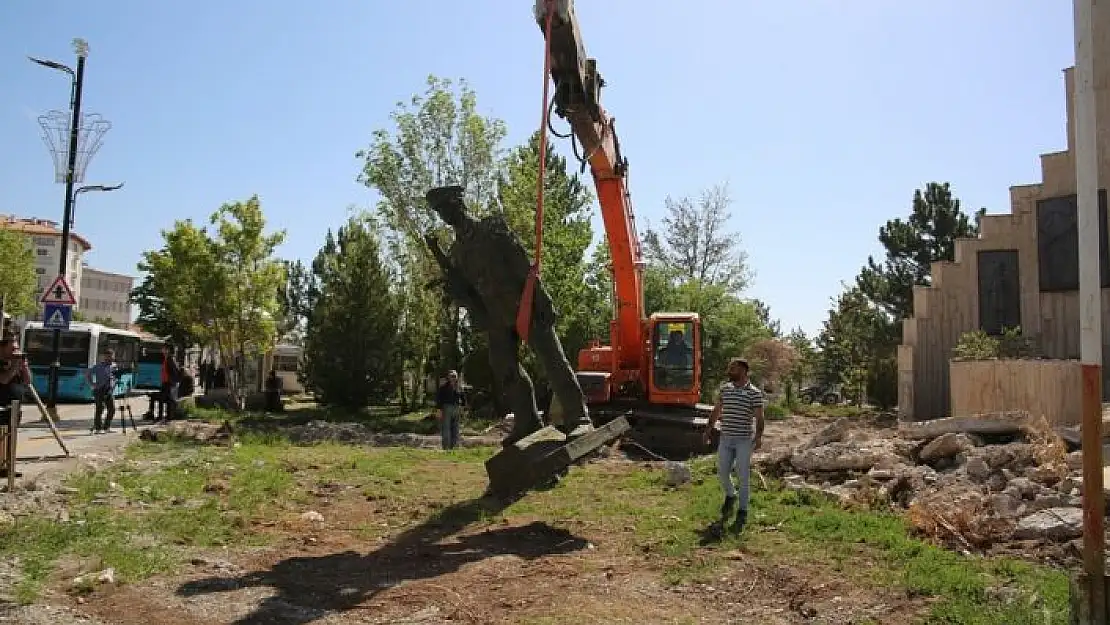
(651,371)
(578,100)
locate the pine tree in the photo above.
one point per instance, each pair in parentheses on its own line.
(929,234)
(352,353)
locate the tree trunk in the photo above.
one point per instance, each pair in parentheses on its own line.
(417,398)
(404,393)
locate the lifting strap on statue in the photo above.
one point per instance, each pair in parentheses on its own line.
(524,313)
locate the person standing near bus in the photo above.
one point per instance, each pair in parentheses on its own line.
(102,378)
(171,377)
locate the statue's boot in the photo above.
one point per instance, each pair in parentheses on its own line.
(522,428)
(571,426)
(577,428)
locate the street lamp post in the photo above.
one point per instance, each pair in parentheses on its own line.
(81,48)
(86,189)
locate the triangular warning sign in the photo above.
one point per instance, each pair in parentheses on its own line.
(56,320)
(58,293)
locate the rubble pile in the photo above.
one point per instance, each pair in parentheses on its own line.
(971,483)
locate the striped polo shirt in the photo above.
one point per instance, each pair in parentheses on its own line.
(738,404)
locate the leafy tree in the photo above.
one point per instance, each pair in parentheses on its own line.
(807,358)
(296,297)
(220,290)
(439,138)
(936,220)
(772,361)
(599,280)
(351,357)
(182,295)
(764,312)
(244,253)
(18,282)
(694,244)
(928,235)
(848,344)
(154,314)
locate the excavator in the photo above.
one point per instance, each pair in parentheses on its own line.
(651,370)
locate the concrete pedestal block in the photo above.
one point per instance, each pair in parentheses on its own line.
(537,458)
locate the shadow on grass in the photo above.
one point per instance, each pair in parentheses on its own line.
(309,588)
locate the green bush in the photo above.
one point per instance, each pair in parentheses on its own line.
(978,345)
(776,411)
(882,382)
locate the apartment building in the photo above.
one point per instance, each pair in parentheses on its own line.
(99,294)
(105,295)
(46,237)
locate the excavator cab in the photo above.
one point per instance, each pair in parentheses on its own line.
(675,362)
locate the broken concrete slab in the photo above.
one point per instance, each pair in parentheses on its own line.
(1058,524)
(543,455)
(835,432)
(946,446)
(1015,422)
(834,457)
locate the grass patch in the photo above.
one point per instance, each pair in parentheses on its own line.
(776,411)
(209,496)
(877,549)
(142,520)
(821,411)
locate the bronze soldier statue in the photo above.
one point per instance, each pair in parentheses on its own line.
(485,273)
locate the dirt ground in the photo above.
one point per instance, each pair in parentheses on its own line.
(449,570)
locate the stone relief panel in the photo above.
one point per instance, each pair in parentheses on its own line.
(999,291)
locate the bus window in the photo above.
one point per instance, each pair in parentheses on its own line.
(74,350)
(150,352)
(124,347)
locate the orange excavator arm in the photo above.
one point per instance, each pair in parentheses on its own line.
(578,100)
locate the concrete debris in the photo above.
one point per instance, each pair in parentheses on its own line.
(835,432)
(364,434)
(313,517)
(1004,423)
(678,473)
(945,446)
(977,469)
(834,457)
(200,431)
(970,483)
(1058,524)
(107,576)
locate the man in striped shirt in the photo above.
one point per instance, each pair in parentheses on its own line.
(739,410)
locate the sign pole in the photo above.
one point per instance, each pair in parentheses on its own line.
(1090,311)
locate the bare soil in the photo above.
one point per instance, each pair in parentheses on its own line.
(518,573)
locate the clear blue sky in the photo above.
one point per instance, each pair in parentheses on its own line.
(822,115)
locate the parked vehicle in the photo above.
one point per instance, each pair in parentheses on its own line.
(826,394)
(148,369)
(81,347)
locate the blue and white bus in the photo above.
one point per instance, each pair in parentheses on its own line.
(81,347)
(148,367)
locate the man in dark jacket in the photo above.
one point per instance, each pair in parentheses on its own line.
(171,378)
(15,376)
(449,404)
